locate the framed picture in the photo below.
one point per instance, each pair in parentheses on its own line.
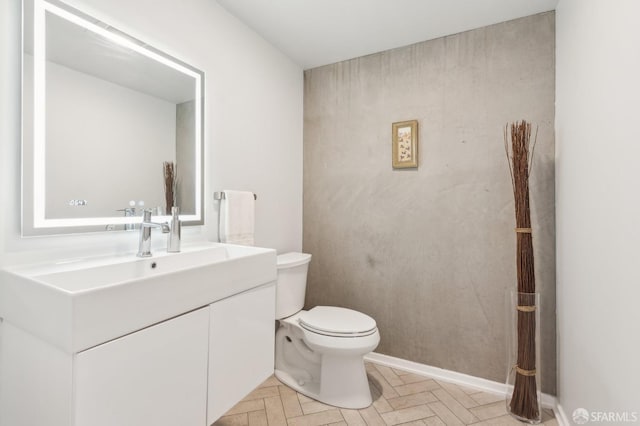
(404,152)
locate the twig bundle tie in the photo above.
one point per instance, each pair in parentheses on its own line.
(527,373)
(526,308)
(523,230)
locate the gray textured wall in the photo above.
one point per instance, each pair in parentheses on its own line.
(430,253)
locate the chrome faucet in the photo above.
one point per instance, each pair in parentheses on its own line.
(144,248)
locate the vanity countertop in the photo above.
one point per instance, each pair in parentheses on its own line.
(76,304)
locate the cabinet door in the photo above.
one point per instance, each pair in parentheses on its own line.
(241,347)
(156,376)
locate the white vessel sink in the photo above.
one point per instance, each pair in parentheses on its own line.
(77,304)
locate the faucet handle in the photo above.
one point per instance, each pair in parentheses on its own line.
(165,227)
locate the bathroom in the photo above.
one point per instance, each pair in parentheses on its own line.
(427,252)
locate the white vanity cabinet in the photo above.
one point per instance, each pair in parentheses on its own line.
(185,371)
(241,347)
(174,340)
(156,376)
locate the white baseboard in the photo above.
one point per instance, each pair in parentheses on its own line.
(548,401)
(561,416)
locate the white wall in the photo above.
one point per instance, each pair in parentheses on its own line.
(598,204)
(253,119)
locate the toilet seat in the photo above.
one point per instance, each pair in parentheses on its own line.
(337,322)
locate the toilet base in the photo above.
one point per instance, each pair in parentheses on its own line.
(310,389)
(350,391)
(328,369)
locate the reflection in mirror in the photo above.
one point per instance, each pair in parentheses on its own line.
(102,114)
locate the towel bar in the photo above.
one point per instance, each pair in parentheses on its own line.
(219,195)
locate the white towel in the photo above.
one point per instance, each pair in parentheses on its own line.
(237,217)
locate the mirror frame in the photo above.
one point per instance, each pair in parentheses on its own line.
(40,8)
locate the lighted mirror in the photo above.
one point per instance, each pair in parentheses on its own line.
(103,115)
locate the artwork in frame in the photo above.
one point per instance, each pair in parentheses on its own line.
(405,144)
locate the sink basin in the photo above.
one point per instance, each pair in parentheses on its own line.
(90,274)
(80,303)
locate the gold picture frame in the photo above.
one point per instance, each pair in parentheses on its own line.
(404,151)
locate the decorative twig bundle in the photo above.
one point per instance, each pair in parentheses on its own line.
(524,402)
(170,183)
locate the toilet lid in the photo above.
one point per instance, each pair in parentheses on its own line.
(334,321)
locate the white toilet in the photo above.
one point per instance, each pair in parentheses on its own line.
(319,352)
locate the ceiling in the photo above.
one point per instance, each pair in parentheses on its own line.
(319,32)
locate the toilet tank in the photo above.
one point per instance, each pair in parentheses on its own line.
(292,283)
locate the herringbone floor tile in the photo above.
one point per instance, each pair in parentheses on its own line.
(399,398)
